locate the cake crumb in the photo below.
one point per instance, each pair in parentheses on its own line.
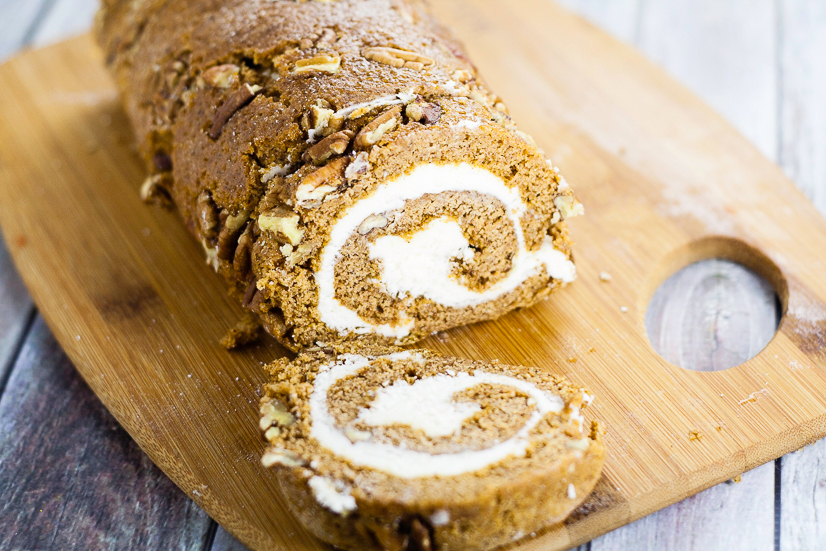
(737,479)
(246,331)
(623,309)
(605,276)
(694,434)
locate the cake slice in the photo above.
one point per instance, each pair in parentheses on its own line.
(401,450)
(341,163)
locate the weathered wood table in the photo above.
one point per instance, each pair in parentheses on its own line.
(71,478)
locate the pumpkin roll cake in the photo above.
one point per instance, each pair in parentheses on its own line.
(341,163)
(400,450)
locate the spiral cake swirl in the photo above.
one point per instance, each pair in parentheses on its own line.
(370,440)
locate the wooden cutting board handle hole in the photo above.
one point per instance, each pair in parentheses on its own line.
(717,302)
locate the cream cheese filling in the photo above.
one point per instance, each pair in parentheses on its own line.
(397,261)
(406,463)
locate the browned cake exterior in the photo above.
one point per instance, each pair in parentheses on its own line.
(409,450)
(266,123)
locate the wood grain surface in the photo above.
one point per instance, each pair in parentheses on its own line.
(564,133)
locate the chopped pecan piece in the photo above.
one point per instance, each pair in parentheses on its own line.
(162,161)
(397,58)
(236,101)
(325,63)
(155,190)
(423,112)
(221,76)
(317,184)
(331,146)
(375,129)
(284,223)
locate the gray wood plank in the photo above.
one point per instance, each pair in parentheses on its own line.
(726,53)
(66,18)
(16,310)
(803,498)
(705,521)
(802,43)
(70,476)
(620,18)
(17,22)
(225,542)
(712,315)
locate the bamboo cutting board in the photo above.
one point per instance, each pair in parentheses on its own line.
(665,182)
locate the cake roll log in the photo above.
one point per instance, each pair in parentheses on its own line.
(410,450)
(342,164)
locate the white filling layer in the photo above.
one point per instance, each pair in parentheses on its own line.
(427,404)
(406,463)
(392,195)
(326,493)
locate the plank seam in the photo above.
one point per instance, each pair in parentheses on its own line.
(778,480)
(8,368)
(42,13)
(209,536)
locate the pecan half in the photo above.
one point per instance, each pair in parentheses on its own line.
(206,215)
(325,63)
(397,58)
(242,260)
(331,146)
(236,101)
(317,184)
(228,237)
(375,129)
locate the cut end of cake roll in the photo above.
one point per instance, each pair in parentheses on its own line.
(341,163)
(375,448)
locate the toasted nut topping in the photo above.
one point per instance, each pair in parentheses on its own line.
(207,217)
(236,101)
(423,112)
(301,253)
(374,130)
(221,76)
(372,222)
(318,120)
(282,222)
(317,184)
(358,166)
(228,238)
(242,260)
(154,190)
(568,206)
(397,58)
(162,161)
(325,63)
(211,255)
(462,75)
(277,456)
(331,146)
